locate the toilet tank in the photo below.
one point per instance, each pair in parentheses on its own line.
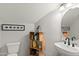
(13,47)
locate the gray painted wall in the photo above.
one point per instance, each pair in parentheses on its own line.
(50,25)
(14,36)
(17,36)
(24,46)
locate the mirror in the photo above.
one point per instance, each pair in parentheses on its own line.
(70,23)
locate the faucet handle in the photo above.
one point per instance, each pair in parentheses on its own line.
(73,38)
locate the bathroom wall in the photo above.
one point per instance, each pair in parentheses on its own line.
(0,34)
(50,25)
(15,36)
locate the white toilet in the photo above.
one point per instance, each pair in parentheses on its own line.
(13,48)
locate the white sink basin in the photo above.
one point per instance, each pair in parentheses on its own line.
(66,50)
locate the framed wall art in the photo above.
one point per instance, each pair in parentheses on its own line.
(12,27)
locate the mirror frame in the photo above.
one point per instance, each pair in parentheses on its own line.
(65,11)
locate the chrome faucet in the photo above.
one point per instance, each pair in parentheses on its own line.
(68,40)
(73,44)
(73,38)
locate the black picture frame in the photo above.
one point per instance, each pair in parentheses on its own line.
(12,27)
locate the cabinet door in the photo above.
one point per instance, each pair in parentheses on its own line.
(42,39)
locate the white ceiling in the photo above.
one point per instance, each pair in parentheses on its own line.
(25,12)
(70,17)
